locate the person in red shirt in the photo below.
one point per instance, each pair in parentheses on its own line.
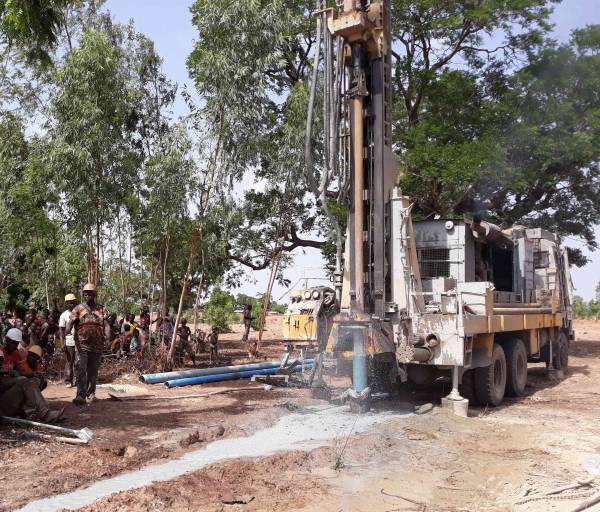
(145,322)
(89,320)
(10,350)
(31,367)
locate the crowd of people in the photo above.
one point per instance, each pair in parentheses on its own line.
(83,332)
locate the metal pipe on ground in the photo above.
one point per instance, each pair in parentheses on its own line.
(517,305)
(226,376)
(158,378)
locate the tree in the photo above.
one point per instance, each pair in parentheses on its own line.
(253,78)
(431,36)
(218,311)
(93,164)
(521,147)
(552,166)
(455,129)
(34,26)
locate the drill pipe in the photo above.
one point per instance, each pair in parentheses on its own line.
(227,376)
(157,378)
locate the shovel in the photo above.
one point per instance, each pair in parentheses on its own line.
(85,434)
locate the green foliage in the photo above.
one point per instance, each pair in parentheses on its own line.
(586,310)
(250,64)
(34,26)
(521,147)
(89,156)
(218,311)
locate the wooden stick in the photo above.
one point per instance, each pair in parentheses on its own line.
(580,483)
(587,504)
(60,439)
(400,497)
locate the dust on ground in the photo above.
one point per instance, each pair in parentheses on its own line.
(435,462)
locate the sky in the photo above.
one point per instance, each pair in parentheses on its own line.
(169,25)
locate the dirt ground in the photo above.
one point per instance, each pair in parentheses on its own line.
(490,461)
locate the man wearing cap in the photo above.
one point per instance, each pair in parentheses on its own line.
(10,350)
(67,340)
(88,319)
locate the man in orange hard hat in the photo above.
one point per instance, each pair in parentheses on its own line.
(88,319)
(67,339)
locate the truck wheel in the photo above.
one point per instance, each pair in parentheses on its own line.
(516,364)
(490,381)
(561,352)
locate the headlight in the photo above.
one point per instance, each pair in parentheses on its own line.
(307,294)
(315,295)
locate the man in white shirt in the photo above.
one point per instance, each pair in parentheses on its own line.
(68,340)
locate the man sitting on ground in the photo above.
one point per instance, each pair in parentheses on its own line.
(31,367)
(21,397)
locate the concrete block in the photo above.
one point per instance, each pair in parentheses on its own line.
(457,407)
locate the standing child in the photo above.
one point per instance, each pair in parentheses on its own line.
(213,340)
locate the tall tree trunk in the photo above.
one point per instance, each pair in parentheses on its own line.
(199,290)
(129,265)
(165,307)
(97,262)
(141,274)
(184,289)
(267,297)
(203,208)
(121,271)
(46,286)
(151,292)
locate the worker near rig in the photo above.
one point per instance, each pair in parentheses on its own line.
(88,319)
(67,340)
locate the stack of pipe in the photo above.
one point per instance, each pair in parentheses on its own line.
(219,374)
(516,308)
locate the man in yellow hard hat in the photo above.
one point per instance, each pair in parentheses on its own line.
(88,319)
(67,339)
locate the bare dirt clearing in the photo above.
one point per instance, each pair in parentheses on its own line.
(433,462)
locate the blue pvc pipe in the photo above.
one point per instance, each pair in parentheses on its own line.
(157,378)
(227,376)
(359,362)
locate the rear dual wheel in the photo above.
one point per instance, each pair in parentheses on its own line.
(506,374)
(516,364)
(560,352)
(490,381)
(560,359)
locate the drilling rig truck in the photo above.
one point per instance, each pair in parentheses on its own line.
(460,298)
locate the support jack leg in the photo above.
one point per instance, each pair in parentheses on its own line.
(454,402)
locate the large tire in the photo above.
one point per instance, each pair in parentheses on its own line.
(561,353)
(516,366)
(490,381)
